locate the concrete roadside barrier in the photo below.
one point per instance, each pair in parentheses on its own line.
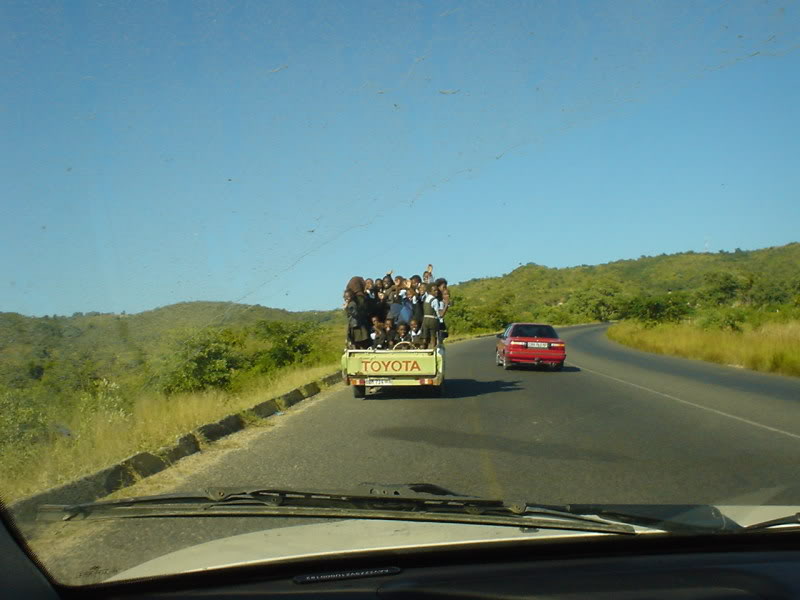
(310,389)
(289,399)
(184,446)
(332,379)
(265,409)
(144,464)
(212,432)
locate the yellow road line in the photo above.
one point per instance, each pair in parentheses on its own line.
(487,466)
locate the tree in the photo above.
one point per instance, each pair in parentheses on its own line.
(207,359)
(652,310)
(290,343)
(720,287)
(597,303)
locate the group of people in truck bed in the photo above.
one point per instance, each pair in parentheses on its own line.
(385,311)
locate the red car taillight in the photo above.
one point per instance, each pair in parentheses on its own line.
(516,343)
(557,345)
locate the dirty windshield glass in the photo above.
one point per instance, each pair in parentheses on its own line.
(268,247)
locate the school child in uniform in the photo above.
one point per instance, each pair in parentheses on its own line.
(375,323)
(406,307)
(370,295)
(355,308)
(378,336)
(441,284)
(402,334)
(390,333)
(430,319)
(394,302)
(415,332)
(427,276)
(417,299)
(381,306)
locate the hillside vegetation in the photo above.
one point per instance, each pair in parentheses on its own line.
(767,280)
(82,391)
(738,308)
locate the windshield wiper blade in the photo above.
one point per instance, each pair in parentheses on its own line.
(793,519)
(414,502)
(673,518)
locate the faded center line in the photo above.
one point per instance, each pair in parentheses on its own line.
(689,403)
(487,466)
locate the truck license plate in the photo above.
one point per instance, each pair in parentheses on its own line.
(379,382)
(537,344)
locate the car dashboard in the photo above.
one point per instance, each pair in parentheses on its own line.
(722,567)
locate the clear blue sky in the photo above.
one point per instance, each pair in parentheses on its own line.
(157,152)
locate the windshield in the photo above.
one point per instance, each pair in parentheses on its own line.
(270,245)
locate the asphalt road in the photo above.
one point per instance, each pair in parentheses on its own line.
(615,426)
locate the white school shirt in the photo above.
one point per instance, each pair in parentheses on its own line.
(436,304)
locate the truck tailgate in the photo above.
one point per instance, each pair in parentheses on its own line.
(391,363)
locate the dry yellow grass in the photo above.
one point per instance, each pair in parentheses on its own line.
(102,439)
(772,347)
(99,440)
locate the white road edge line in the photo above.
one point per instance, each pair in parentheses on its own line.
(687,402)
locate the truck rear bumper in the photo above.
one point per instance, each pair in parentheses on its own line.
(393,381)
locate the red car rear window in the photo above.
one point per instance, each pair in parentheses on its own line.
(541,331)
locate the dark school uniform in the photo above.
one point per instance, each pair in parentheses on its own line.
(403,338)
(357,330)
(390,336)
(416,309)
(430,318)
(379,339)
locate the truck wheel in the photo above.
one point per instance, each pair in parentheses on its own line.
(438,391)
(359,391)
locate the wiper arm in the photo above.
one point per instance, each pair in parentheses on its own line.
(415,502)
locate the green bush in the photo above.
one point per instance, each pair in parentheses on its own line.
(23,420)
(652,310)
(289,343)
(601,302)
(104,397)
(720,287)
(205,360)
(730,319)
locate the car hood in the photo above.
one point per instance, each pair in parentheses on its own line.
(351,537)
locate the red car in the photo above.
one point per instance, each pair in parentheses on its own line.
(530,344)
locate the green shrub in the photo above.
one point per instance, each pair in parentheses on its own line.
(730,319)
(652,310)
(205,360)
(24,421)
